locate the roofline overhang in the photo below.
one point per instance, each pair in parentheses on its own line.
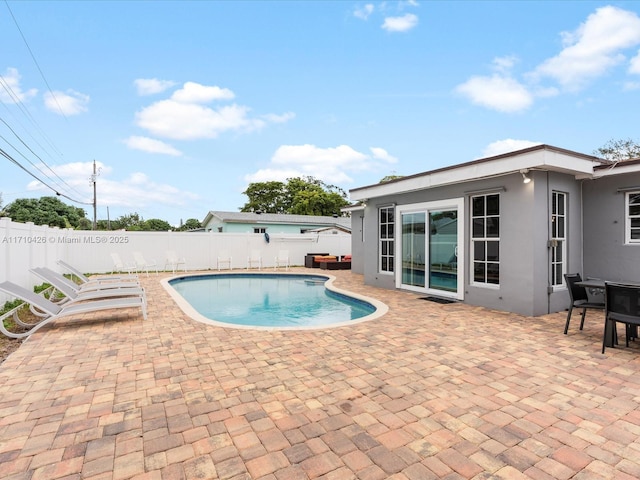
(539,157)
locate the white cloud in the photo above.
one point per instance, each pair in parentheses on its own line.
(137,191)
(273,118)
(593,49)
(400,24)
(497,92)
(634,64)
(151,86)
(183,121)
(10,90)
(151,145)
(66,103)
(333,165)
(192,92)
(364,12)
(184,117)
(505,146)
(382,154)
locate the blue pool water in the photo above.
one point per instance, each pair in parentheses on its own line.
(269,300)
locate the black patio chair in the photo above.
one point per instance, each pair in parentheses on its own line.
(579,299)
(622,305)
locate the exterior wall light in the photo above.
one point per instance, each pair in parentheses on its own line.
(525,179)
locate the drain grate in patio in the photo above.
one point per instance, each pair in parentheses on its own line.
(438,300)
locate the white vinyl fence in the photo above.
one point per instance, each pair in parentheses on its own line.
(25,245)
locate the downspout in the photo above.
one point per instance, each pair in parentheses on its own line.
(548,220)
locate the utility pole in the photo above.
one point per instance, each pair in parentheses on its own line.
(93,181)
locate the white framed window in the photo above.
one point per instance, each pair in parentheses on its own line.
(558,244)
(386,236)
(259,230)
(632,217)
(485,239)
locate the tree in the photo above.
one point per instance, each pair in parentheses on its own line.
(267,197)
(190,224)
(619,150)
(157,225)
(133,221)
(46,211)
(388,178)
(300,195)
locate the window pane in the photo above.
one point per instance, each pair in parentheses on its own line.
(560,227)
(384,264)
(493,273)
(635,234)
(635,222)
(391,262)
(478,228)
(493,205)
(385,250)
(634,198)
(560,207)
(634,209)
(493,251)
(478,251)
(478,272)
(493,227)
(383,215)
(390,231)
(478,206)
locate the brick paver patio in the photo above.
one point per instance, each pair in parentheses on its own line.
(427,391)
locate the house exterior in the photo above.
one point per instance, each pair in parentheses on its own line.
(501,232)
(251,222)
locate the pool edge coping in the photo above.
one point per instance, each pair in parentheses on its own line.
(187,309)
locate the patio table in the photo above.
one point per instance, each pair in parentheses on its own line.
(598,284)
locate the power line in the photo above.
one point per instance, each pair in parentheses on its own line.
(34,59)
(17,163)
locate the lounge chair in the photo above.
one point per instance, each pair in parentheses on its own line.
(84,279)
(254,259)
(54,311)
(142,264)
(224,259)
(282,260)
(172,260)
(119,266)
(73,294)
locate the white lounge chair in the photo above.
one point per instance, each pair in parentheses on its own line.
(84,279)
(254,258)
(282,260)
(53,311)
(142,264)
(172,260)
(119,266)
(224,259)
(73,294)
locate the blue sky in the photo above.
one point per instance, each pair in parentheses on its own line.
(183,104)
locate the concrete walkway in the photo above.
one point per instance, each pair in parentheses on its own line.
(427,391)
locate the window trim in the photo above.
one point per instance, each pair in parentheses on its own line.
(390,248)
(554,240)
(472,239)
(627,218)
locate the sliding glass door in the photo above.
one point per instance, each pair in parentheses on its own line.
(431,248)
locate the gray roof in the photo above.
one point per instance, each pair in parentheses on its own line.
(280,218)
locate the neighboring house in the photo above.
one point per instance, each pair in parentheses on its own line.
(501,232)
(241,222)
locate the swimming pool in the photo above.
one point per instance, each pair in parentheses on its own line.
(270,301)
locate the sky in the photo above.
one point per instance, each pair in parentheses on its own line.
(181,105)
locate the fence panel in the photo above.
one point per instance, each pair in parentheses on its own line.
(24,246)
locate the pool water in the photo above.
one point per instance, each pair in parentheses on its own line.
(269,300)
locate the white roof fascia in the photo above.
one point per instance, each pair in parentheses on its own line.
(616,169)
(536,160)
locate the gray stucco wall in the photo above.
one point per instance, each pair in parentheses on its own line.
(525,225)
(606,255)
